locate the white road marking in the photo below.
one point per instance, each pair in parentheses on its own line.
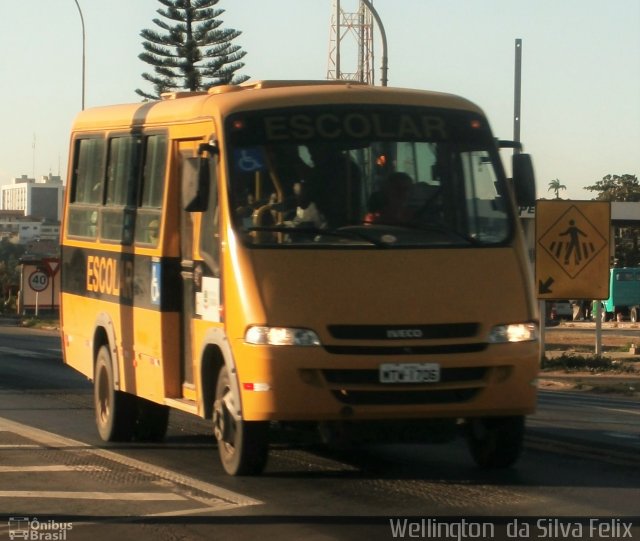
(20,446)
(26,353)
(221,497)
(71,495)
(633,412)
(53,468)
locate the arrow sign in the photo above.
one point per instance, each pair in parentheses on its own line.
(545,287)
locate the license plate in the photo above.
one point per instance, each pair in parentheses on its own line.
(409,373)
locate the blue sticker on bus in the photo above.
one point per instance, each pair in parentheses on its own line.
(249,159)
(156,275)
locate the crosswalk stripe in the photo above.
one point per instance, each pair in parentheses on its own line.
(52,468)
(71,495)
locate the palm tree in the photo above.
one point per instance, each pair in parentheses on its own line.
(555,186)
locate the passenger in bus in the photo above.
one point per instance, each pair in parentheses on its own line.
(153,230)
(307,213)
(390,204)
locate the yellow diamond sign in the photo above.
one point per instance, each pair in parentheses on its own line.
(572,249)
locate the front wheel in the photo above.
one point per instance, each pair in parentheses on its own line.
(496,442)
(115,411)
(243,445)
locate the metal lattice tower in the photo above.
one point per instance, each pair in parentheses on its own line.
(351,44)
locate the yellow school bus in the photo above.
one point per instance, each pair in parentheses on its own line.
(291,253)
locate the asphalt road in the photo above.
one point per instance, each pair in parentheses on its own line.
(580,464)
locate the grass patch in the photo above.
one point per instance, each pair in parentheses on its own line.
(571,362)
(40,323)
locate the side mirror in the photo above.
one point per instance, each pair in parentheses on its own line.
(195,184)
(524,182)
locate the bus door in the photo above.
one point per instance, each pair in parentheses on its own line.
(199,264)
(186,149)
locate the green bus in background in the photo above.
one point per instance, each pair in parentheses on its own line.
(624,295)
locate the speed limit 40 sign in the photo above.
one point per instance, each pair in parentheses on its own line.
(38,280)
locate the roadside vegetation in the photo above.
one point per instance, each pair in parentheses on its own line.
(596,364)
(50,324)
(575,372)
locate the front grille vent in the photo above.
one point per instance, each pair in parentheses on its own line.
(438,331)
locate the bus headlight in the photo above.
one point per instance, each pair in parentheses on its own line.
(281,336)
(516,332)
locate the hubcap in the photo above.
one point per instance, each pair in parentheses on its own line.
(103,398)
(223,422)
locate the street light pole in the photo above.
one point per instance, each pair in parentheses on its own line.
(385,58)
(83,50)
(517,94)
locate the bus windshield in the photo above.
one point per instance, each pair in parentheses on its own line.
(371,176)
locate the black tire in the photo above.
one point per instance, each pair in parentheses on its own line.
(152,421)
(495,442)
(115,411)
(243,446)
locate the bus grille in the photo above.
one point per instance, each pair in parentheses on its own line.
(362,387)
(444,349)
(370,398)
(437,331)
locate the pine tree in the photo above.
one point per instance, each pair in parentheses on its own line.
(192,52)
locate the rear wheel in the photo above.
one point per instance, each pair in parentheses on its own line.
(115,410)
(496,442)
(243,445)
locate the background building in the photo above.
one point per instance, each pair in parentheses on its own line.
(40,199)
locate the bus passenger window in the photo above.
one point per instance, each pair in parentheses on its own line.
(122,176)
(89,171)
(87,187)
(149,211)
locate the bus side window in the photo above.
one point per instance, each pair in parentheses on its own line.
(87,187)
(151,191)
(118,214)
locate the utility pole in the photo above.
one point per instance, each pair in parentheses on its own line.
(83,52)
(385,56)
(517,90)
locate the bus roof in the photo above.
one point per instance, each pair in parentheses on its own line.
(191,106)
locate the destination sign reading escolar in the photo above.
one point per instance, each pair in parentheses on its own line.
(572,249)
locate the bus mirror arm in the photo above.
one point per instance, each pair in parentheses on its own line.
(211,148)
(509,144)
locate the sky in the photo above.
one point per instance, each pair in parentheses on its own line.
(580,116)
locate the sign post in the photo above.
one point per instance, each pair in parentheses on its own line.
(572,251)
(53,266)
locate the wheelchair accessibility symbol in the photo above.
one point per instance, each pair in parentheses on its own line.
(249,160)
(156,280)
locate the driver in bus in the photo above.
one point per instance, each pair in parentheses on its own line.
(390,205)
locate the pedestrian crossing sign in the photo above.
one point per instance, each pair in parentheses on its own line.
(572,249)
